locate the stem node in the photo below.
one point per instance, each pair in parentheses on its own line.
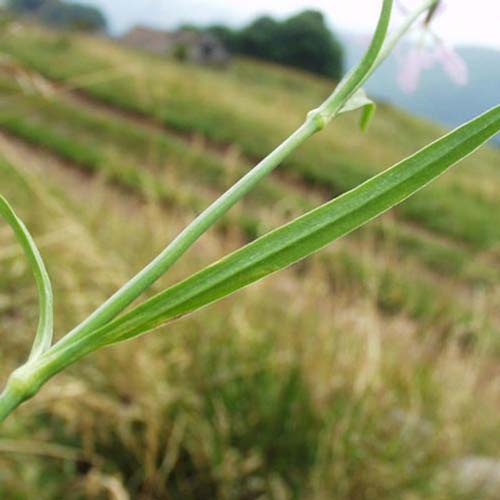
(318,118)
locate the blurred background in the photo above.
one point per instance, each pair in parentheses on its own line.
(370,371)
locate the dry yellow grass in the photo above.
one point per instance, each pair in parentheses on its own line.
(270,393)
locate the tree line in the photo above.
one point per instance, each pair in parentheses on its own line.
(303,40)
(60,14)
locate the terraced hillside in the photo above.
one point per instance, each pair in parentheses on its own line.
(356,374)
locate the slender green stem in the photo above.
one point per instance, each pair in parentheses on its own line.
(394,39)
(9,401)
(164,261)
(22,385)
(315,121)
(357,77)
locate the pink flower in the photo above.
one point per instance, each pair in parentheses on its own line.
(416,61)
(452,63)
(419,59)
(424,57)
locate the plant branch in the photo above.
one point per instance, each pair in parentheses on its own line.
(410,20)
(316,120)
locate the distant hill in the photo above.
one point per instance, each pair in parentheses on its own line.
(437,97)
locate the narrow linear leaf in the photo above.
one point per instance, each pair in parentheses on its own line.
(43,338)
(300,238)
(367,114)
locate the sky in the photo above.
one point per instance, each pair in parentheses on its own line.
(464,22)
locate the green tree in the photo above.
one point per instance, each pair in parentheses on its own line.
(303,41)
(228,37)
(261,39)
(72,16)
(24,5)
(60,14)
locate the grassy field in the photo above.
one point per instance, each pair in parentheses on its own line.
(355,375)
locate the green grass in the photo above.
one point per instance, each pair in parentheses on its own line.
(228,109)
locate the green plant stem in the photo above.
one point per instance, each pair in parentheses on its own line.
(171,254)
(316,121)
(9,401)
(20,387)
(358,76)
(394,39)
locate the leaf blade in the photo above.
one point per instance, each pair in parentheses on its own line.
(289,243)
(309,233)
(44,334)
